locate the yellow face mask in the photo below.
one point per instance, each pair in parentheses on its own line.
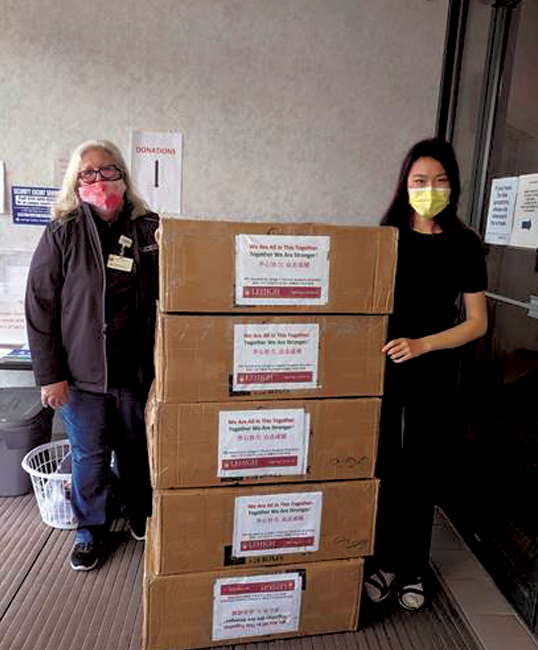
(428,201)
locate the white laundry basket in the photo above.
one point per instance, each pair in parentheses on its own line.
(49,467)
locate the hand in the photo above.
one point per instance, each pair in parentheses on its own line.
(404,349)
(55,395)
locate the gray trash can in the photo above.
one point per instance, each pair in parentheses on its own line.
(24,424)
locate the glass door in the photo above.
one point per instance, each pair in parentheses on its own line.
(495,501)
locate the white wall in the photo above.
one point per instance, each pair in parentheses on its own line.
(290,109)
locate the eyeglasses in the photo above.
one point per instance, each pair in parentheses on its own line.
(107,173)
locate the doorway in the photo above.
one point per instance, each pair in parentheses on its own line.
(494,501)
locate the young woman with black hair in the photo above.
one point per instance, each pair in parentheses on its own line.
(439,260)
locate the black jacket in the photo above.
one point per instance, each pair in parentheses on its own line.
(65,301)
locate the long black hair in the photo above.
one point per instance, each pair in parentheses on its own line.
(399,211)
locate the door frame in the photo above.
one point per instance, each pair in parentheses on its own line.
(494,95)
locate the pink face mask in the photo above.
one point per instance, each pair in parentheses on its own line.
(104,196)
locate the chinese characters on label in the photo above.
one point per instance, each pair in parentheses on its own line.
(256,605)
(263,442)
(277,523)
(269,356)
(282,270)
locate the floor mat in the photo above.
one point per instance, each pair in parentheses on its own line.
(44,605)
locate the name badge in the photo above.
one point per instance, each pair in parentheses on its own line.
(120,263)
(125,242)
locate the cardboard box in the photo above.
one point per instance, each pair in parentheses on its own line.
(183,441)
(194,357)
(198,266)
(193,529)
(179,610)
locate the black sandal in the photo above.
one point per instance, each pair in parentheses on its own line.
(411,596)
(379,584)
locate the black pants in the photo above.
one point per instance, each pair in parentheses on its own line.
(415,427)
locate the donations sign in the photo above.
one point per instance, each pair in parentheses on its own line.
(157,168)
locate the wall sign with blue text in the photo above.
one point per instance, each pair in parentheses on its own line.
(32,205)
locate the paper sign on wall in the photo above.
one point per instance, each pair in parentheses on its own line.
(266,442)
(273,357)
(61,162)
(525,228)
(31,205)
(156,165)
(501,210)
(281,270)
(2,187)
(277,523)
(12,322)
(256,605)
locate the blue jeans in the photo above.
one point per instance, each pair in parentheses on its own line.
(96,425)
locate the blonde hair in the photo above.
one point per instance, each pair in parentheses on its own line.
(68,200)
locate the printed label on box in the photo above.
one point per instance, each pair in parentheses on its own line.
(279,523)
(269,356)
(281,270)
(256,605)
(263,442)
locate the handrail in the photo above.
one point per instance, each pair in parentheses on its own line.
(531,306)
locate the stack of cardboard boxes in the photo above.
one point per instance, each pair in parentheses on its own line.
(262,429)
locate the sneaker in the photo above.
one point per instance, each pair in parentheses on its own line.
(85,555)
(138,529)
(411,595)
(379,585)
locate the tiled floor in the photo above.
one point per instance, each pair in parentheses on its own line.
(490,616)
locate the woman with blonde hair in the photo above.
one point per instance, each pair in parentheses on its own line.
(68,199)
(90,312)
